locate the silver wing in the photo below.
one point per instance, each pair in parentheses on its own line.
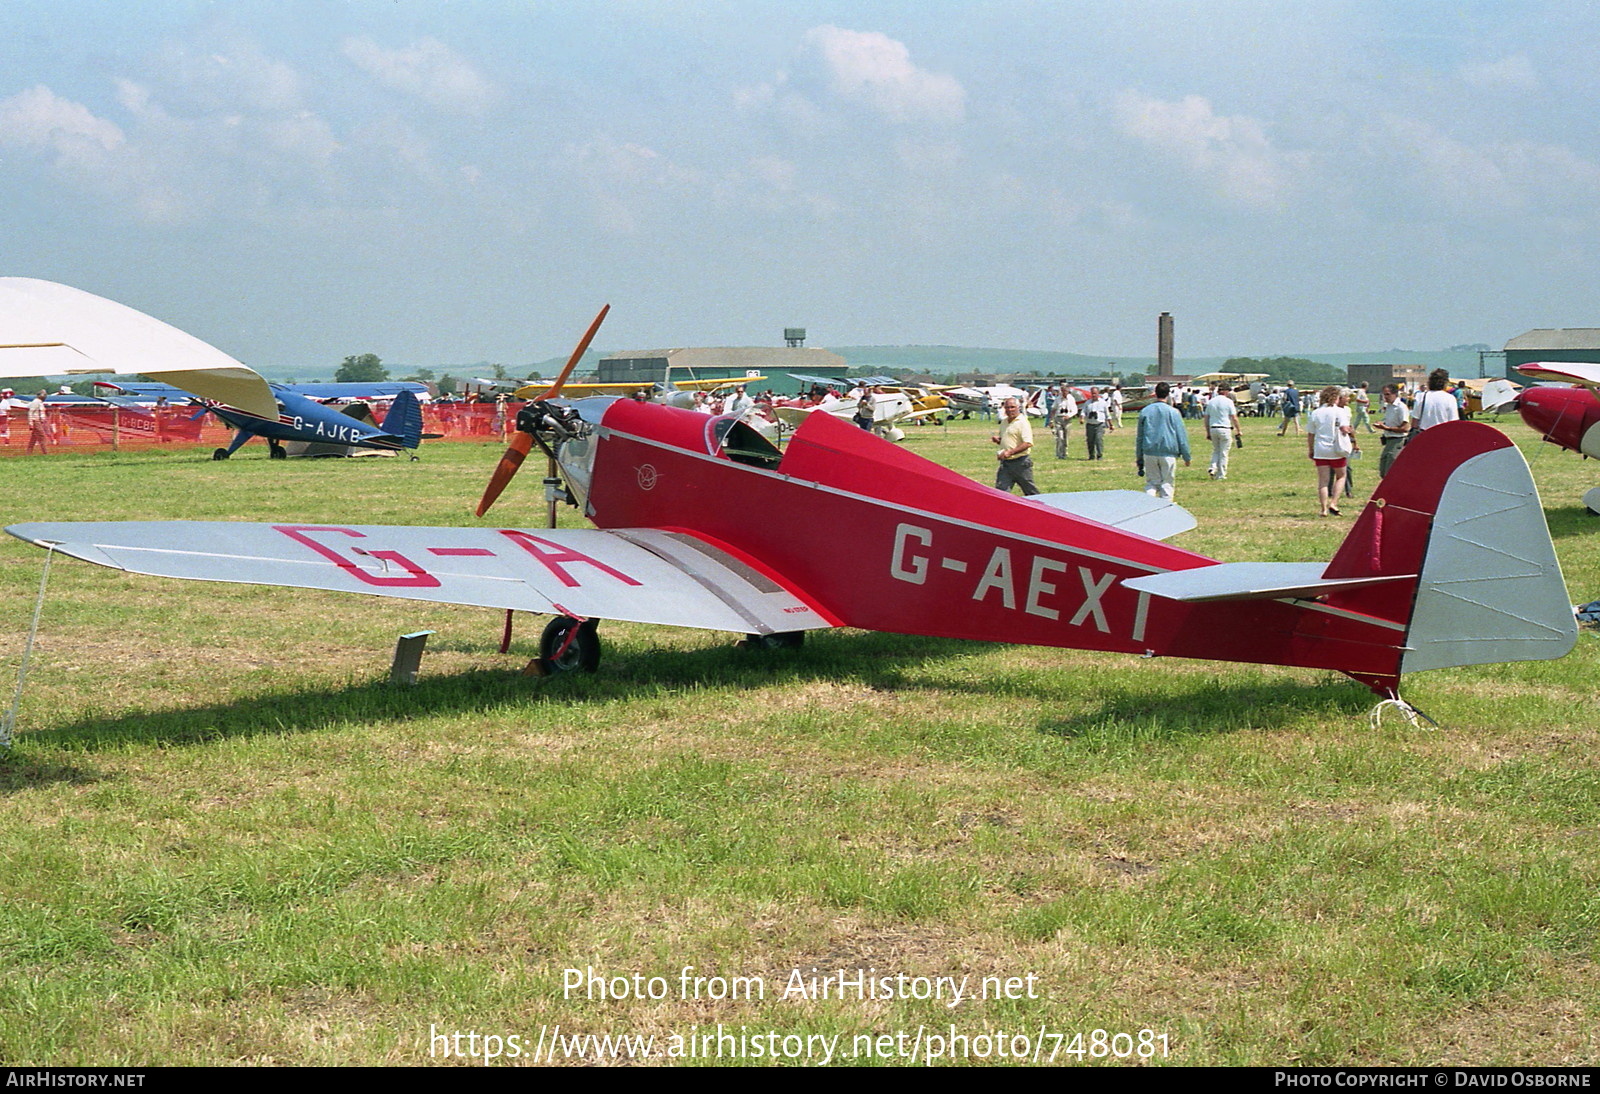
(639,575)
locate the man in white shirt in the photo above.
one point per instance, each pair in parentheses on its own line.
(1436,405)
(738,402)
(1394,427)
(38,425)
(1360,407)
(1066,409)
(1095,412)
(1222,426)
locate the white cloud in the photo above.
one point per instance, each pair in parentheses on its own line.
(1514,73)
(239,78)
(875,69)
(169,168)
(301,136)
(39,119)
(628,183)
(428,69)
(1232,153)
(775,171)
(1495,178)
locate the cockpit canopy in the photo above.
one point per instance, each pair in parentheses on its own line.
(741,443)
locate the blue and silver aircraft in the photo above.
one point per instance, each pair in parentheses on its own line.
(302,417)
(48,329)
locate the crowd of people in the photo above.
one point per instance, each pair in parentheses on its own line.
(1331,429)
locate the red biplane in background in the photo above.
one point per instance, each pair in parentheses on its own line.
(701,522)
(1567,416)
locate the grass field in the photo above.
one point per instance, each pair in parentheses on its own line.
(227,840)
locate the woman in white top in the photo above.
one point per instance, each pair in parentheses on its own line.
(1329,440)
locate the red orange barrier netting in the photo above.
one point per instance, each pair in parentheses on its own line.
(87,428)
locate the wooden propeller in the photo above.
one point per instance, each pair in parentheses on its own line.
(522,443)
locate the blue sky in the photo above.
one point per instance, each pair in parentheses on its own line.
(454,182)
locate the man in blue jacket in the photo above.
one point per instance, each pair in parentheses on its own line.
(1161,440)
(1291,409)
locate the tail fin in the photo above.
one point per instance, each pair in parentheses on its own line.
(404,420)
(1460,512)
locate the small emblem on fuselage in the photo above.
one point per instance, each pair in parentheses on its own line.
(647,476)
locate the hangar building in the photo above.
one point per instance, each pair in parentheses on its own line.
(719,362)
(1565,344)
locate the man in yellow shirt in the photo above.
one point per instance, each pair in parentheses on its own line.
(1016,442)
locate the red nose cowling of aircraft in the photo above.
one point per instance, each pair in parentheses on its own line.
(1568,416)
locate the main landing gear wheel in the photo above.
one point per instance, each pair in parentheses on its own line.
(220,454)
(782,640)
(277,452)
(581,654)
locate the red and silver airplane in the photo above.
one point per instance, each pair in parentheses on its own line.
(701,522)
(1567,416)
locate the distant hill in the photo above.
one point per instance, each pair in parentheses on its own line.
(948,360)
(951,360)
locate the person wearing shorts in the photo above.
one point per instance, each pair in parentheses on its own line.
(1329,442)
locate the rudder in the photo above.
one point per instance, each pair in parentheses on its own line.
(404,420)
(1459,514)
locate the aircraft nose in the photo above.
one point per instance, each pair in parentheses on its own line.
(1554,413)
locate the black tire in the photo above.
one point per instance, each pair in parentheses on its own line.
(277,452)
(220,454)
(782,640)
(582,655)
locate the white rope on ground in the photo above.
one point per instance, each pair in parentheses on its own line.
(27,652)
(1411,714)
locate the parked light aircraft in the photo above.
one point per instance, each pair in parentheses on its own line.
(699,522)
(48,329)
(1242,387)
(1486,396)
(889,411)
(675,392)
(1567,416)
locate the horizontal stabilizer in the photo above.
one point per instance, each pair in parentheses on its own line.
(1252,581)
(1130,510)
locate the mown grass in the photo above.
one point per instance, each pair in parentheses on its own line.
(228,840)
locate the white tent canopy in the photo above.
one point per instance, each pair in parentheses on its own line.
(48,329)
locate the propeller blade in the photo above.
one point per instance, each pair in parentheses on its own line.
(555,388)
(521,444)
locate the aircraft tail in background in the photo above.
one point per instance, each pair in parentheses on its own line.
(404,420)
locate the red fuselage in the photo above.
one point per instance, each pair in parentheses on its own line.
(875,537)
(1567,416)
